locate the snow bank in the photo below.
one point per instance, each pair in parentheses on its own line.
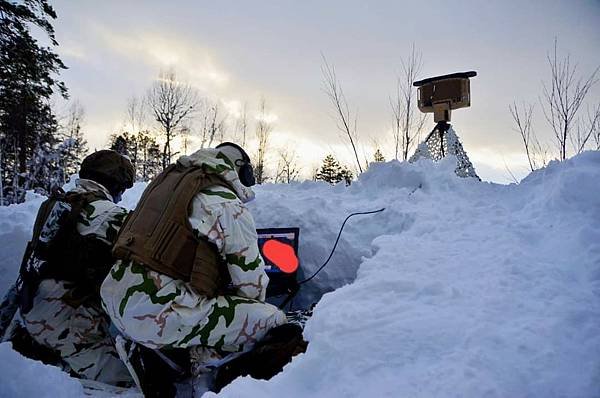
(23,378)
(475,290)
(460,288)
(16,224)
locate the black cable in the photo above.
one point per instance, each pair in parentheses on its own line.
(337,240)
(294,291)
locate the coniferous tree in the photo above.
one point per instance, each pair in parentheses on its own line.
(121,143)
(346,175)
(378,156)
(27,81)
(149,164)
(332,172)
(143,151)
(329,170)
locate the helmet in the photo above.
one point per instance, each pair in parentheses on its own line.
(241,160)
(110,169)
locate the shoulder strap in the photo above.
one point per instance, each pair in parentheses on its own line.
(78,200)
(44,213)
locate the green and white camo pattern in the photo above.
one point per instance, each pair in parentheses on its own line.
(159,311)
(79,332)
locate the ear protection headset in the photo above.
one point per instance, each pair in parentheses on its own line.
(246,172)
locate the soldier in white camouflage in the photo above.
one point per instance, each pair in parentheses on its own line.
(63,311)
(162,311)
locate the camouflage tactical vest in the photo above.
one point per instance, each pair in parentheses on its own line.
(158,235)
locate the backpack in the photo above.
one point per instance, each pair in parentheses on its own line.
(57,251)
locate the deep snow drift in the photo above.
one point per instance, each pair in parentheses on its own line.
(459,289)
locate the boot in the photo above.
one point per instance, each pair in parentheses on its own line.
(149,370)
(267,358)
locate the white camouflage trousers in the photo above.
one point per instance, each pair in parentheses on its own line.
(158,311)
(79,334)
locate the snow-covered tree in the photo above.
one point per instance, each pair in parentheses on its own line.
(72,146)
(27,82)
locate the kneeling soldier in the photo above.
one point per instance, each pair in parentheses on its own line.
(190,273)
(66,261)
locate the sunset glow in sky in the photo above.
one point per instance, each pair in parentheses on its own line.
(240,51)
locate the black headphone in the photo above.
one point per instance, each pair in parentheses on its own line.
(246,172)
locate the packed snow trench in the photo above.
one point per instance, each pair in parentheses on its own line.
(460,288)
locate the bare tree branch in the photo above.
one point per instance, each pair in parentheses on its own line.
(346,123)
(594,123)
(241,125)
(510,173)
(563,98)
(287,167)
(263,132)
(587,129)
(536,154)
(136,114)
(171,103)
(407,126)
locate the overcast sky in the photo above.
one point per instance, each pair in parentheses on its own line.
(240,51)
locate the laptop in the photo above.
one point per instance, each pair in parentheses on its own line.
(280,245)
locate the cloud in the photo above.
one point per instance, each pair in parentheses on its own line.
(73,51)
(233,107)
(493,165)
(193,63)
(267,117)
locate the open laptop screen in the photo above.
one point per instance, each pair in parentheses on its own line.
(287,236)
(280,282)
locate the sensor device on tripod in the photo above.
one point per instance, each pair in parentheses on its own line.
(440,95)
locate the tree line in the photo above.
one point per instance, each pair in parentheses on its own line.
(172,119)
(38,149)
(173,109)
(571,114)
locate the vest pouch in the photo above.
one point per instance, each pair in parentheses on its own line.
(206,276)
(170,249)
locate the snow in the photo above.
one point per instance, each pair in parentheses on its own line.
(22,378)
(460,288)
(16,224)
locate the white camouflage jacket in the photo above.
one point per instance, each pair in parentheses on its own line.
(220,215)
(157,310)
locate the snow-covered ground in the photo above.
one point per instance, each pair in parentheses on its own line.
(460,288)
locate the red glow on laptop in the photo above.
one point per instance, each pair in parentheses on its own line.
(281,254)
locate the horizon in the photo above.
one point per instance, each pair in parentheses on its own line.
(242,52)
